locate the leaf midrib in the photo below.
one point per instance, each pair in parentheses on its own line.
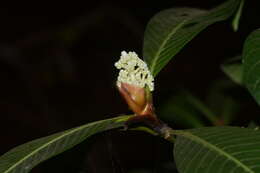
(173,31)
(117,119)
(214,148)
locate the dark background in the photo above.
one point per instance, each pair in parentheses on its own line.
(57,72)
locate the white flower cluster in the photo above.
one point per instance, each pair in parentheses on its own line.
(134,71)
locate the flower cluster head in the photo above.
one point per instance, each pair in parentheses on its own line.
(134,71)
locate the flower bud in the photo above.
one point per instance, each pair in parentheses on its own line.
(137,98)
(135,82)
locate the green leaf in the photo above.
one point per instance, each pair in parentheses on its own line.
(218,150)
(221,102)
(178,110)
(206,112)
(170,30)
(251,64)
(234,70)
(24,157)
(187,110)
(235,22)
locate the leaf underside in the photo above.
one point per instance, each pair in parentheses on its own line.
(170,30)
(251,64)
(218,150)
(24,157)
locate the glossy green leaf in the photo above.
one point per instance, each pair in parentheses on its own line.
(234,71)
(218,150)
(24,157)
(251,64)
(170,30)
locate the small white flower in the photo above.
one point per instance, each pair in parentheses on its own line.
(134,71)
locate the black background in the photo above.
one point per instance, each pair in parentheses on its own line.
(57,72)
